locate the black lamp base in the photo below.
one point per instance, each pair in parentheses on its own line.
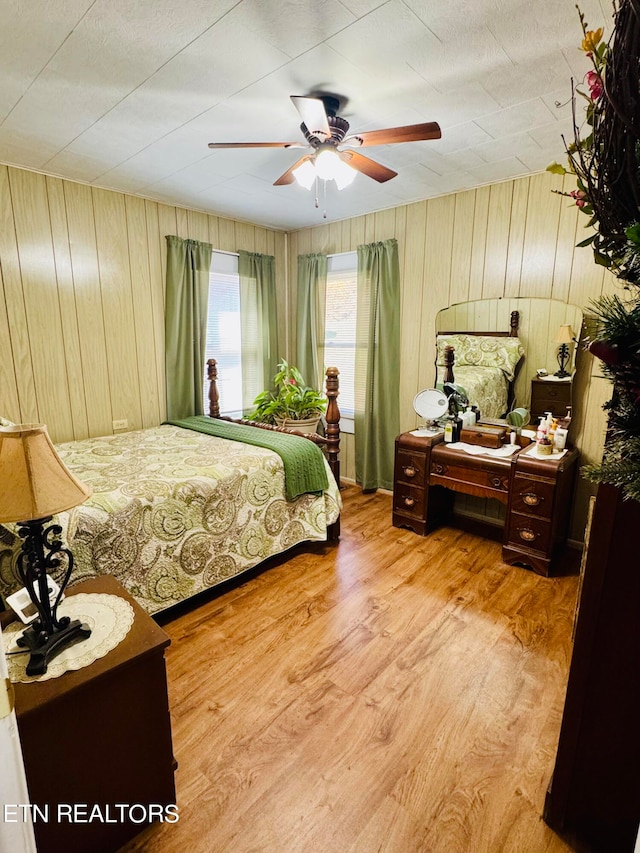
(563,359)
(44,649)
(49,633)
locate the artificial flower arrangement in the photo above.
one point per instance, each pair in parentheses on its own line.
(606,162)
(603,154)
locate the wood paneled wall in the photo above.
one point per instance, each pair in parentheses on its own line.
(82,300)
(82,291)
(510,239)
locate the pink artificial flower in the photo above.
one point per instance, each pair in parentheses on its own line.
(594,82)
(291,381)
(580,197)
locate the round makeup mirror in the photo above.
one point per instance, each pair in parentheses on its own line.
(429,405)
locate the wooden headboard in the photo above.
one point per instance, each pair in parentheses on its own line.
(449,355)
(330,440)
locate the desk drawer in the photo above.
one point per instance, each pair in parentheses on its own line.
(532,497)
(409,500)
(534,533)
(476,479)
(410,467)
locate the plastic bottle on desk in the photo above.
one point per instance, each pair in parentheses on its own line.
(560,439)
(457,427)
(566,420)
(468,418)
(542,430)
(448,430)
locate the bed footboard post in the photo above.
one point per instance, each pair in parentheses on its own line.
(332,418)
(214,399)
(333,421)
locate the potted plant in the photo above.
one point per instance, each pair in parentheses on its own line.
(293,404)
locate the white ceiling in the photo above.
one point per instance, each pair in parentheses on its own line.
(126,94)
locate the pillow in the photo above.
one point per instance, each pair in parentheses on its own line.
(5,422)
(483,351)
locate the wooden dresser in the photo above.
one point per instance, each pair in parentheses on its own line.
(536,493)
(100,736)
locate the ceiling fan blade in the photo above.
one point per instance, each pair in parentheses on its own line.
(288,177)
(257,145)
(313,115)
(368,167)
(408,133)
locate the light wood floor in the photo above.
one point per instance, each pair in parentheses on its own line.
(395,693)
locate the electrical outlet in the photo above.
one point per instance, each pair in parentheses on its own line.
(123,424)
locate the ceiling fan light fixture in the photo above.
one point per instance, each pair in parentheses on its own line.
(344,175)
(305,174)
(327,163)
(329,166)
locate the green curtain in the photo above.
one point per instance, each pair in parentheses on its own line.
(312,283)
(377,421)
(259,323)
(187,292)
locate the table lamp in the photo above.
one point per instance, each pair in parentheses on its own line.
(564,338)
(34,485)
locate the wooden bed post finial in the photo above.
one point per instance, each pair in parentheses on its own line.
(333,421)
(448,364)
(214,399)
(513,324)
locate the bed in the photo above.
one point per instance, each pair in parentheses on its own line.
(483,365)
(176,510)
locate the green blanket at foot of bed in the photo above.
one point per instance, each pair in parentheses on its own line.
(304,468)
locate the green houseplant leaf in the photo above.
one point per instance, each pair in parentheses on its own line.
(291,398)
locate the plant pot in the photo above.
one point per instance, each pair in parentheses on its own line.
(304,425)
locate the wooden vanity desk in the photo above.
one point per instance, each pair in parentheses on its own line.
(535,491)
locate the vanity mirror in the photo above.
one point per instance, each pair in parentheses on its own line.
(535,387)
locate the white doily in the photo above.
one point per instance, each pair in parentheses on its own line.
(110,618)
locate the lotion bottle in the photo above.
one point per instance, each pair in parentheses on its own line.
(448,430)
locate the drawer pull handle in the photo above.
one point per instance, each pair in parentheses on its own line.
(527,534)
(409,471)
(497,483)
(439,469)
(531,499)
(408,501)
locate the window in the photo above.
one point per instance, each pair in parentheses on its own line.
(340,325)
(224,332)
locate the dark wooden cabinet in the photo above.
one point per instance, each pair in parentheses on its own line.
(536,493)
(548,395)
(594,793)
(100,736)
(412,502)
(537,521)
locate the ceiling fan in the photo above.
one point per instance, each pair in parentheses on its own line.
(327,141)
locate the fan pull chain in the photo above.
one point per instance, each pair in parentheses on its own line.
(324,212)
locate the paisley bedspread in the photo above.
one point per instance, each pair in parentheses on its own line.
(485,387)
(174,512)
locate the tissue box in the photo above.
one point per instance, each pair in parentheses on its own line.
(484,436)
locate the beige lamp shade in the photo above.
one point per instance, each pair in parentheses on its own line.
(34,481)
(565,335)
